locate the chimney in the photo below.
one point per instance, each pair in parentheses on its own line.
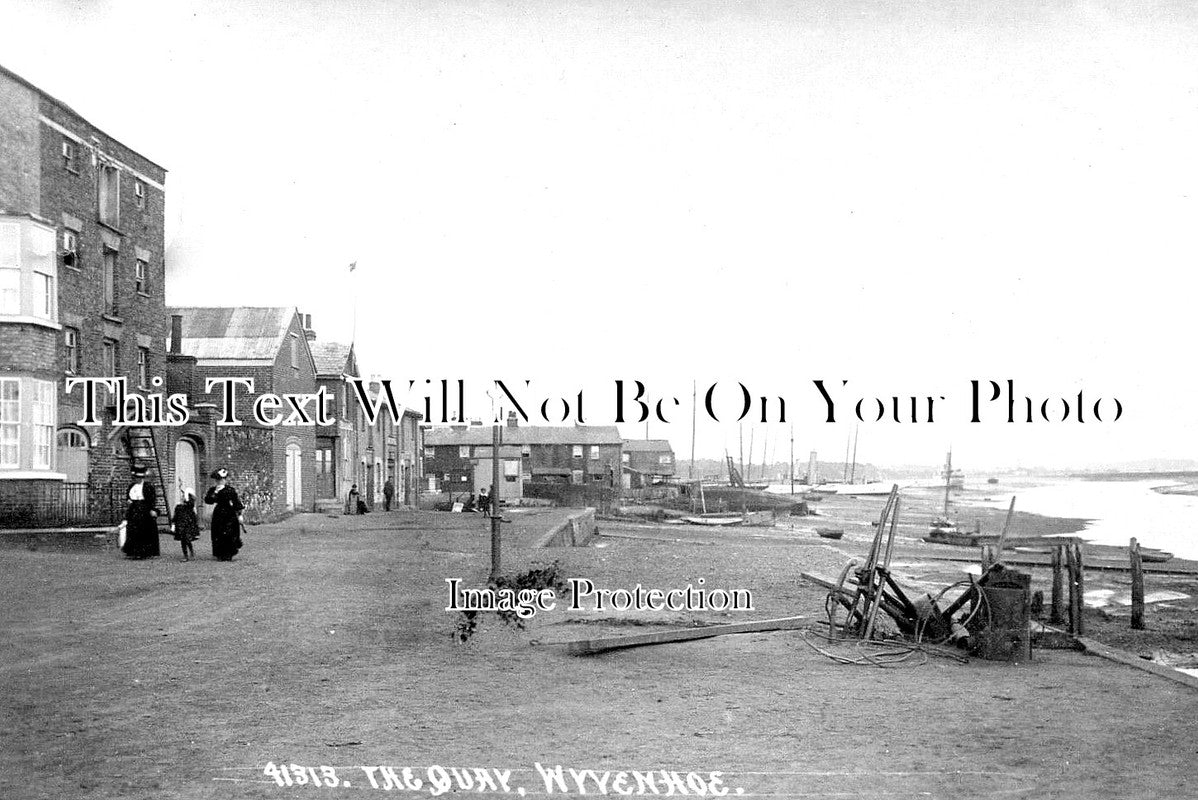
(309,334)
(512,420)
(375,385)
(176,333)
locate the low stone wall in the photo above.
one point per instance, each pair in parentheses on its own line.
(576,531)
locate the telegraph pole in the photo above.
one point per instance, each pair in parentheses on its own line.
(496,517)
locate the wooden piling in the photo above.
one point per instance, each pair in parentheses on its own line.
(1056,614)
(1137,587)
(1079,587)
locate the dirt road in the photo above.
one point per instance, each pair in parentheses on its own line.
(326,643)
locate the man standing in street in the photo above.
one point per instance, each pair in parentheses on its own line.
(388,494)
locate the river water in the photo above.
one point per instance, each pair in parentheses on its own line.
(1118,510)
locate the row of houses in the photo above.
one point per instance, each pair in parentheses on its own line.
(83,293)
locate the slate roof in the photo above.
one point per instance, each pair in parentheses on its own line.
(647,446)
(532,434)
(234,334)
(330,357)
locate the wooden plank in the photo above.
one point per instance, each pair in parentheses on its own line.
(1185,567)
(1122,657)
(591,646)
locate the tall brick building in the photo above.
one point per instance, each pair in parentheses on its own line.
(81,293)
(273,468)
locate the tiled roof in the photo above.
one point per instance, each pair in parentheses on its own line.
(532,434)
(234,334)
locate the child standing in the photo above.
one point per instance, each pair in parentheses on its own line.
(186,526)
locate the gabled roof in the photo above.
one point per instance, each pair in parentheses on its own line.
(234,334)
(332,358)
(533,434)
(646,446)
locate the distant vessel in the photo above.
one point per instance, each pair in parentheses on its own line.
(942,530)
(992,480)
(829,533)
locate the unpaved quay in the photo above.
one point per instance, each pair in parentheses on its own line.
(326,645)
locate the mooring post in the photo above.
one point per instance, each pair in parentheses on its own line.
(1056,614)
(1137,587)
(1071,578)
(1080,580)
(989,556)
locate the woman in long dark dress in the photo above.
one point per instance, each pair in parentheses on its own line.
(226,517)
(141,524)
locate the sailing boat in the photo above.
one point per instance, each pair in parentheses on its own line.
(942,530)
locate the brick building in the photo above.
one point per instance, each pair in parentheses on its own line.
(81,294)
(647,462)
(457,456)
(273,467)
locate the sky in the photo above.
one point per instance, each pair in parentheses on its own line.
(771,194)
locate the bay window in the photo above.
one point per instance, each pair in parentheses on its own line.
(27,423)
(28,271)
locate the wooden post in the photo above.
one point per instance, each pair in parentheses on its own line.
(1071,579)
(989,556)
(1056,613)
(1137,587)
(1079,567)
(496,516)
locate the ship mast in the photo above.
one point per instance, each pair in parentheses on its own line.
(948,478)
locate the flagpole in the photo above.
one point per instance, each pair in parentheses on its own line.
(353,336)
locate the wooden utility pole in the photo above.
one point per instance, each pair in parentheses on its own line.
(792,458)
(1137,587)
(496,517)
(1056,613)
(694,418)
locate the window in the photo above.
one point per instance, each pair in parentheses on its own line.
(576,476)
(110,195)
(294,351)
(111,357)
(70,248)
(42,419)
(594,452)
(10,422)
(665,460)
(28,270)
(578,451)
(110,298)
(429,452)
(68,156)
(597,477)
(526,451)
(625,458)
(139,278)
(143,367)
(464,451)
(70,337)
(139,194)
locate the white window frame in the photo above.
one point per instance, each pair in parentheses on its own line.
(111,366)
(141,273)
(10,427)
(70,248)
(578,451)
(70,339)
(143,367)
(42,423)
(68,155)
(594,452)
(464,451)
(139,193)
(28,271)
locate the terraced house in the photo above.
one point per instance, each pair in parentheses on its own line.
(81,293)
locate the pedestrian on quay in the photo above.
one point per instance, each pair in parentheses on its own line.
(388,494)
(226,516)
(484,501)
(352,500)
(141,518)
(185,525)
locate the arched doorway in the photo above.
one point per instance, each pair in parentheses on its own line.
(187,470)
(73,454)
(294,474)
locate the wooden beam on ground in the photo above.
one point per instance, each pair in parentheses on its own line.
(590,646)
(1132,660)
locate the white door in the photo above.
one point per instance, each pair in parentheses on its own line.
(72,455)
(186,464)
(295,483)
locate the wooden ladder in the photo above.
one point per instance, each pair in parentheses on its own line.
(143,448)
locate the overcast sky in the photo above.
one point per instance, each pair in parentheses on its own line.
(574,193)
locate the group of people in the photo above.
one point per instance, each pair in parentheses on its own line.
(354,504)
(141,518)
